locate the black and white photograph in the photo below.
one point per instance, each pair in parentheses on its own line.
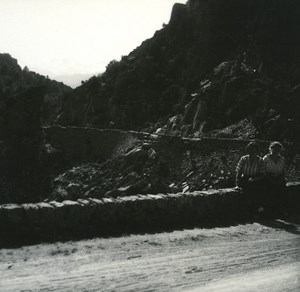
(150,145)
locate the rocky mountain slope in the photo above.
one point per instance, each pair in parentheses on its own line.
(217,63)
(112,163)
(218,69)
(14,81)
(27,101)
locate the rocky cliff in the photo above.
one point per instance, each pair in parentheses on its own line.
(220,69)
(15,81)
(27,100)
(215,64)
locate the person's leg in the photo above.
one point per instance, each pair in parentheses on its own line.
(282,197)
(254,193)
(247,196)
(278,197)
(259,197)
(269,198)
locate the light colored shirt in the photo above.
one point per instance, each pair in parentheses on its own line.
(250,167)
(274,168)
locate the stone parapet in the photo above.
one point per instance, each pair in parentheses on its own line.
(90,144)
(29,223)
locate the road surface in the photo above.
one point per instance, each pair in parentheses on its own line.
(249,257)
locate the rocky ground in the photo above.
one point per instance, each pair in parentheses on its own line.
(262,256)
(143,170)
(153,167)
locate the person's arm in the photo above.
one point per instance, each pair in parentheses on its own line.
(239,172)
(284,169)
(265,162)
(262,170)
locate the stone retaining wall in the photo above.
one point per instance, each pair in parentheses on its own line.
(90,144)
(28,223)
(83,143)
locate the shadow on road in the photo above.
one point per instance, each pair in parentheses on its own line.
(291,224)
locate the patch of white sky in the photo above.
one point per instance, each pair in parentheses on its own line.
(65,37)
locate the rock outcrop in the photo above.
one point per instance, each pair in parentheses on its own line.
(27,100)
(14,81)
(123,163)
(216,63)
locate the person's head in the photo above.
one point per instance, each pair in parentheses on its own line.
(275,147)
(252,148)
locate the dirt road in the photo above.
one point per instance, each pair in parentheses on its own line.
(250,257)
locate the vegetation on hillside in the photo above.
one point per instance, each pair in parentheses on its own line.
(27,101)
(219,69)
(246,52)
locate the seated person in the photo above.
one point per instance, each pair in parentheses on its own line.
(250,169)
(275,166)
(250,173)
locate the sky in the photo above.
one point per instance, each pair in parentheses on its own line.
(69,40)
